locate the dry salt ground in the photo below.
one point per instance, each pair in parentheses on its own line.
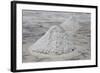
(55,36)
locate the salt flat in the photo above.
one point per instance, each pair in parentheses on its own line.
(37,23)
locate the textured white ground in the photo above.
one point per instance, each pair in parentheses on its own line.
(41,28)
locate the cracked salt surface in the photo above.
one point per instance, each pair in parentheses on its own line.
(69,40)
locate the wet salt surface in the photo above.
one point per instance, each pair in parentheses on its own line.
(37,23)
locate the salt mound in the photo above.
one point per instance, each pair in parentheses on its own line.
(55,41)
(70,25)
